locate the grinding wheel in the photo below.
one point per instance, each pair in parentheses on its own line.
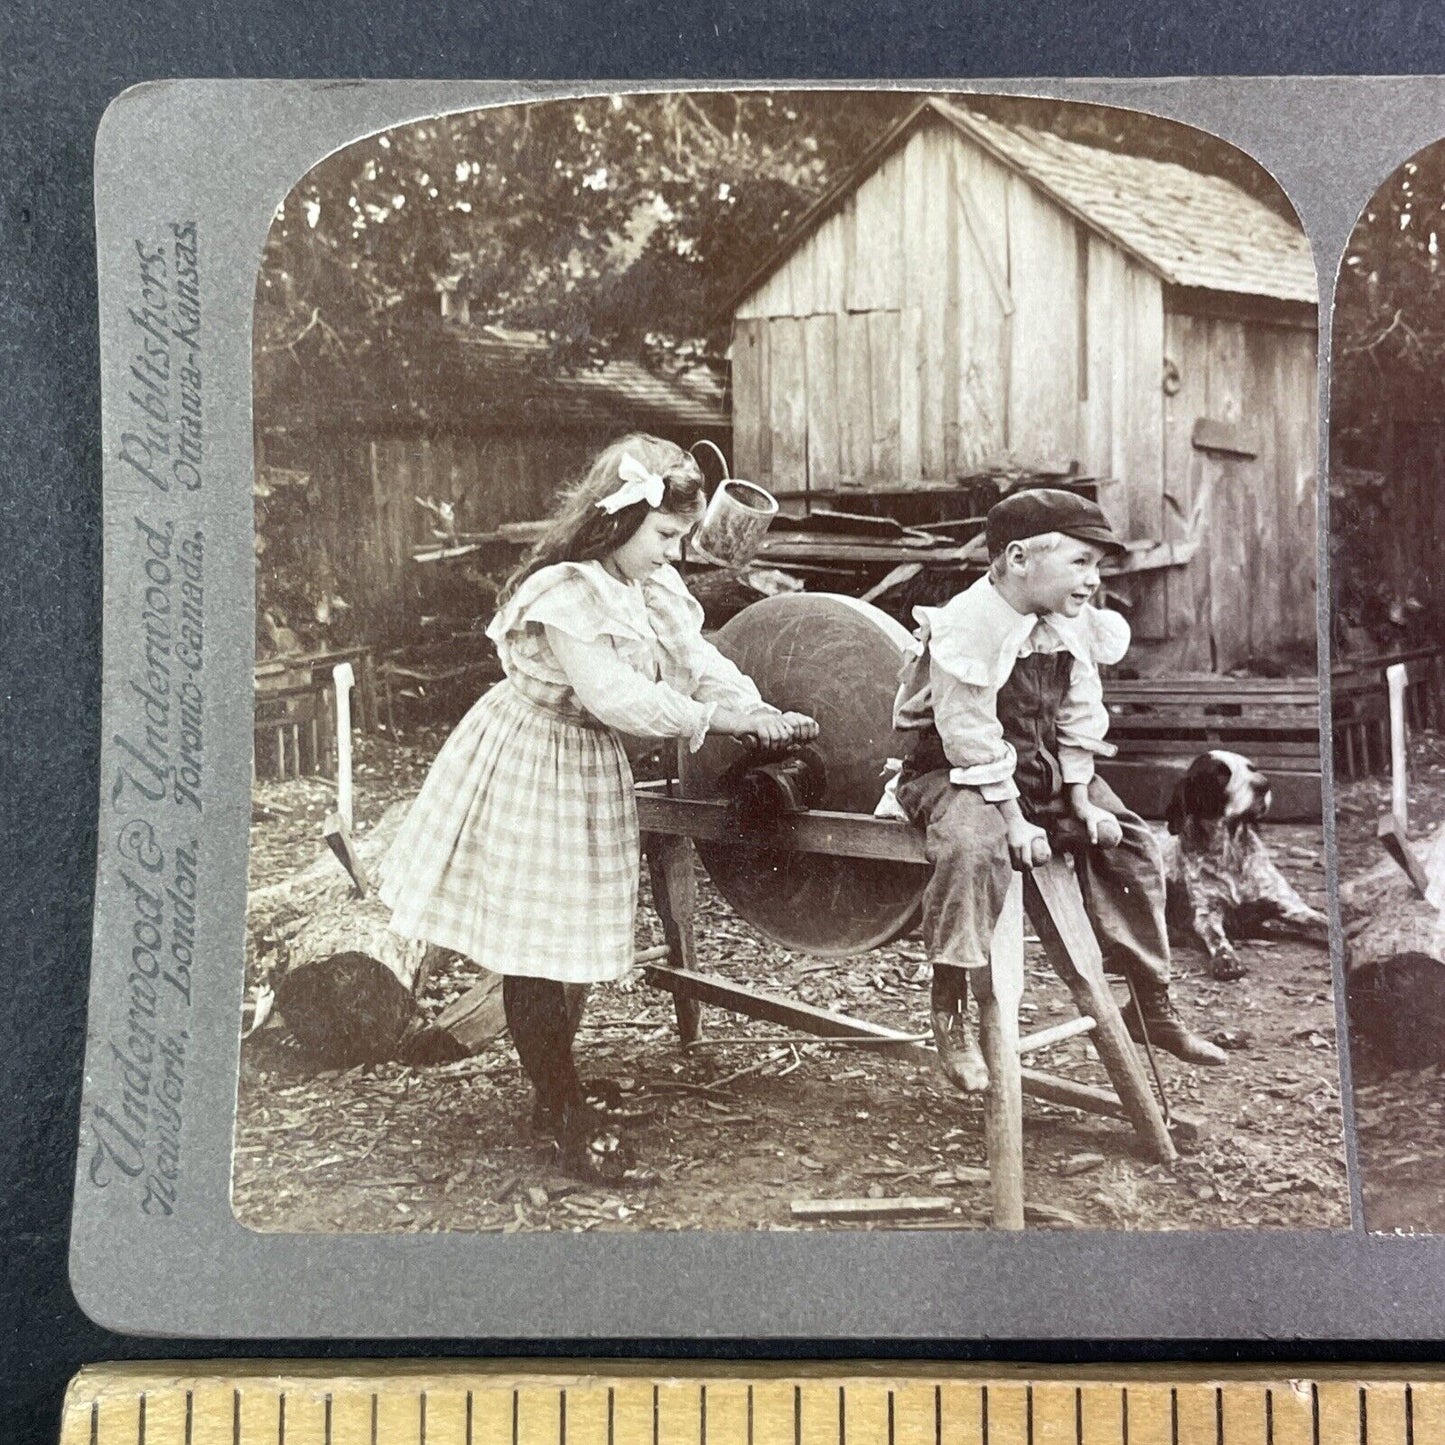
(836,659)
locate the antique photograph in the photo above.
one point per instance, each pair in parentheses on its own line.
(1387,504)
(786,675)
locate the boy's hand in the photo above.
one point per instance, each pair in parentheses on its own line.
(1028,845)
(1102,826)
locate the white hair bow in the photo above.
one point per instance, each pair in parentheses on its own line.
(638,485)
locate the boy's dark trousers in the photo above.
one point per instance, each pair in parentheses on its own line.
(966,843)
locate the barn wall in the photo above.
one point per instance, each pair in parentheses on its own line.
(1250,589)
(365,519)
(949,314)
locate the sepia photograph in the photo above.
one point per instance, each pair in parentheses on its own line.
(1387,504)
(787,678)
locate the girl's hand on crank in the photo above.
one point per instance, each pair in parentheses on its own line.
(771,729)
(803,728)
(767,729)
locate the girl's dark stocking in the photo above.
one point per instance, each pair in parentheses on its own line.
(536,1011)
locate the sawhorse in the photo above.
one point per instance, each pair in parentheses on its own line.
(1050,897)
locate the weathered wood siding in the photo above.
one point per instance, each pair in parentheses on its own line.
(1250,589)
(948,314)
(364,517)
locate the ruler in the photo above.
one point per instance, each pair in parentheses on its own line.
(430,1403)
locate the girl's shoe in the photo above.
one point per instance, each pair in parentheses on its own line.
(591,1151)
(604,1097)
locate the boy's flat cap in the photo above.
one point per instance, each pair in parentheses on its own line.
(1036,510)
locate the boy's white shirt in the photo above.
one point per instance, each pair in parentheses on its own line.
(973,642)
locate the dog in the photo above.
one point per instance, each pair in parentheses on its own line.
(1221,878)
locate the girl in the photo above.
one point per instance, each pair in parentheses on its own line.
(521,850)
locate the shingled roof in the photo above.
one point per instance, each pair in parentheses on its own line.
(619,392)
(1193,230)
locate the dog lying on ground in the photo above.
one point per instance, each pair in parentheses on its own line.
(1221,878)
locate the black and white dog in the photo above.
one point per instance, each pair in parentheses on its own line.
(1220,875)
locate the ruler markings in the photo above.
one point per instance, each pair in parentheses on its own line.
(1336,1415)
(283,1410)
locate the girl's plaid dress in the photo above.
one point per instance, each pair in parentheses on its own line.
(521,850)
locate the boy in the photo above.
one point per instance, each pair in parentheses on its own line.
(1007,702)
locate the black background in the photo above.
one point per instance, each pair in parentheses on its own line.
(61,67)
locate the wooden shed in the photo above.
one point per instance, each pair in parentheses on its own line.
(976,293)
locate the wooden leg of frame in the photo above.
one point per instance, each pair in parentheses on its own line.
(674,894)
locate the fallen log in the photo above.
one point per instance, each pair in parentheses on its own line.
(1396,919)
(346,984)
(1396,977)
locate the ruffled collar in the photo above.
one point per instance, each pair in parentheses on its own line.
(983,629)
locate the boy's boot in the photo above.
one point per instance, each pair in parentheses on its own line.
(1163,1025)
(958,1050)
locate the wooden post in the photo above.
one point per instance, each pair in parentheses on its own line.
(999,1035)
(1057,912)
(674,894)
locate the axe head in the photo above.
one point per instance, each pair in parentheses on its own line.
(338,839)
(1397,844)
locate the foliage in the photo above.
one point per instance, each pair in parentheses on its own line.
(612,226)
(1387,364)
(299,601)
(1389,337)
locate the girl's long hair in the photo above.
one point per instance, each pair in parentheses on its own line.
(579,531)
